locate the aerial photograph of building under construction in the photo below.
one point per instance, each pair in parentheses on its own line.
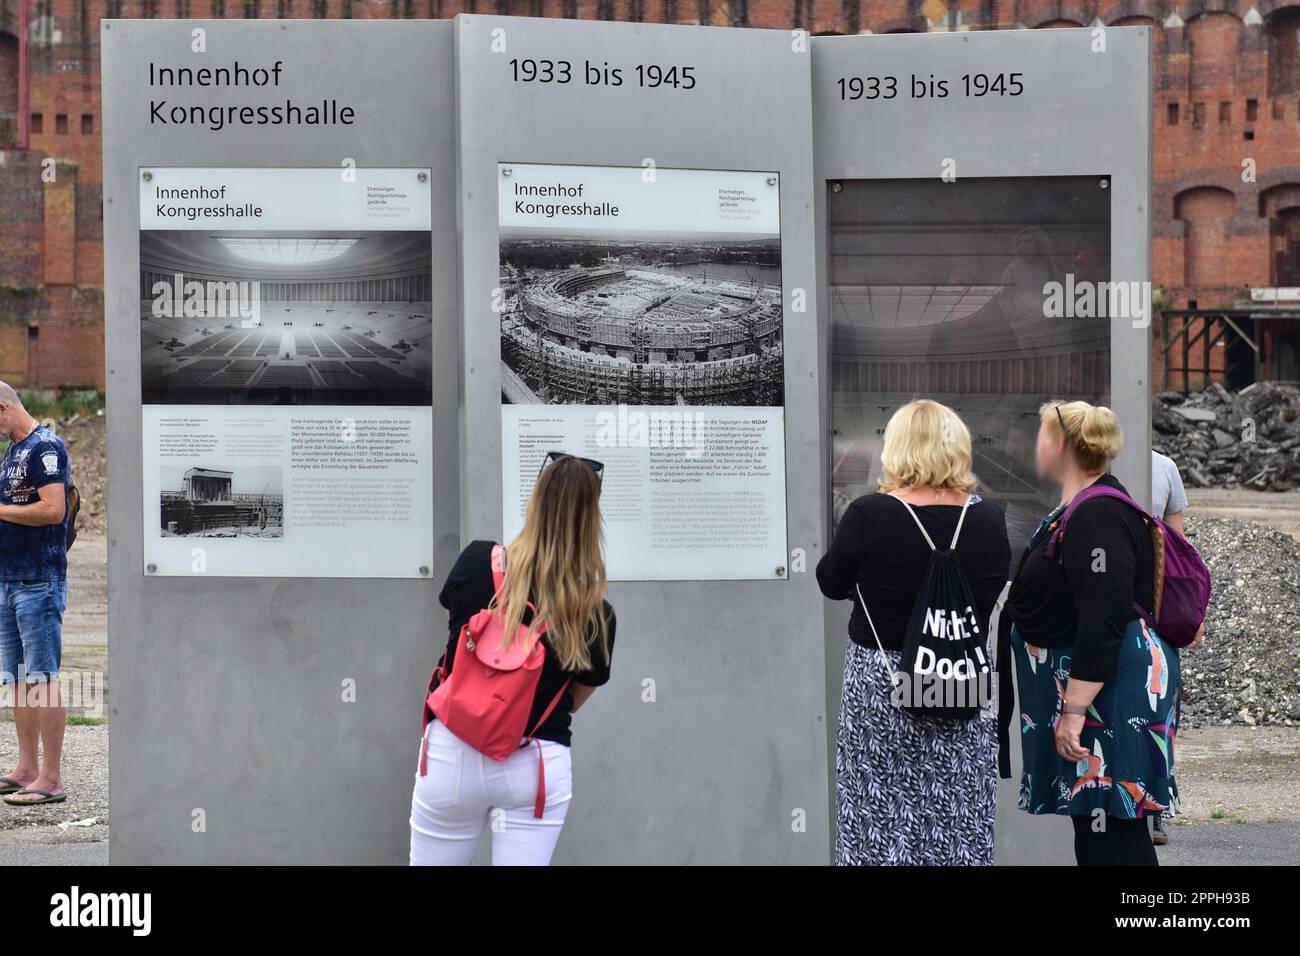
(616,317)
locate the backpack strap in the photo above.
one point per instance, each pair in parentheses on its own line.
(1084,496)
(498,567)
(437,677)
(1157,541)
(499,577)
(917,519)
(539,805)
(960,519)
(893,678)
(1000,625)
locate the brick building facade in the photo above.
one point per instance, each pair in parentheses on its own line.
(1226,117)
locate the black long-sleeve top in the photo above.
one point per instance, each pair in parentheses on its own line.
(879,547)
(1084,595)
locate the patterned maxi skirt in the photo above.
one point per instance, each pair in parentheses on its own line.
(910,791)
(1129,730)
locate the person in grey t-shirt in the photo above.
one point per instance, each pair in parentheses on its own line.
(1168,496)
(1168,501)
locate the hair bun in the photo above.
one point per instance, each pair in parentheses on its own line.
(1099,433)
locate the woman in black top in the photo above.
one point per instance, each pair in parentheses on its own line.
(554,577)
(1098,688)
(912,790)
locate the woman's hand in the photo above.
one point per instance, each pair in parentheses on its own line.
(1196,641)
(1068,729)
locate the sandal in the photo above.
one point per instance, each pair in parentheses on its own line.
(8,785)
(46,797)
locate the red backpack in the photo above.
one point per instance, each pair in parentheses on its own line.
(486,698)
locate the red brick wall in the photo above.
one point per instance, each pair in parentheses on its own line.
(1235,87)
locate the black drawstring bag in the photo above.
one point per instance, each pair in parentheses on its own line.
(944,668)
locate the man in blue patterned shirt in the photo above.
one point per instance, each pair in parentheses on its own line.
(34,479)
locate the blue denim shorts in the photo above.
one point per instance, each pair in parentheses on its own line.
(31,630)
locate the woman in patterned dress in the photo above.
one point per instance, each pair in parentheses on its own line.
(912,789)
(1098,688)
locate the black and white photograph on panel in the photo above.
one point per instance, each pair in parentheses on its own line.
(286,317)
(989,295)
(641,320)
(631,314)
(213,499)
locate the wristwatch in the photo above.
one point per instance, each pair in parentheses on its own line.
(1078,710)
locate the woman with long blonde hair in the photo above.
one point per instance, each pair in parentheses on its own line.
(552,594)
(912,789)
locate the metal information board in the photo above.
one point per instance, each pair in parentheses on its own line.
(679,758)
(346,324)
(959,176)
(265,657)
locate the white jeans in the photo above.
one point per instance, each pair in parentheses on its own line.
(464,792)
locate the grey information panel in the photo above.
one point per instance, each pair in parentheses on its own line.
(255,712)
(958,176)
(707,746)
(639,245)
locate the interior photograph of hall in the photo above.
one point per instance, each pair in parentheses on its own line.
(290,318)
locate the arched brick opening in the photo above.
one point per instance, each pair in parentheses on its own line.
(1132,13)
(1214,40)
(12,67)
(1283,31)
(1205,212)
(1280,205)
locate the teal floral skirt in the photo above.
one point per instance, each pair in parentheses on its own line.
(1129,731)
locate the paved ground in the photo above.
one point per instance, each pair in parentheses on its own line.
(1232,844)
(56,854)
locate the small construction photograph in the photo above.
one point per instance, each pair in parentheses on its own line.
(209,502)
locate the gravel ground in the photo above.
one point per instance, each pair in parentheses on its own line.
(85,746)
(85,777)
(1248,669)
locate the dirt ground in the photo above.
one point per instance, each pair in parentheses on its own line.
(1239,774)
(1281,511)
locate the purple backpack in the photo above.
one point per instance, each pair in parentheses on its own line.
(1182,581)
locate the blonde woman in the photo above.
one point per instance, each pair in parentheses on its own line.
(912,790)
(556,565)
(1098,688)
